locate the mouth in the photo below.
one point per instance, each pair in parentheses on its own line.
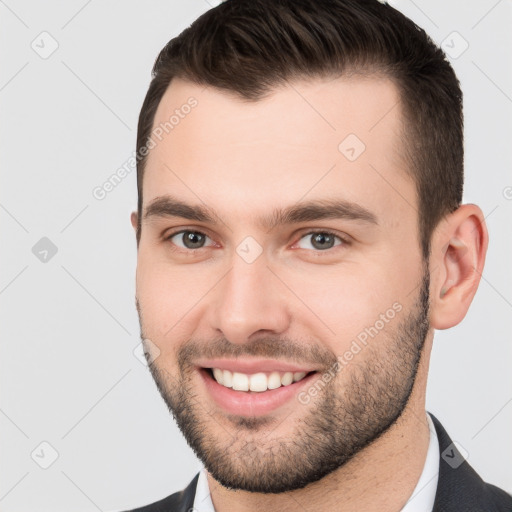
(254,390)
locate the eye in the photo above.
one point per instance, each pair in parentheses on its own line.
(322,240)
(188,239)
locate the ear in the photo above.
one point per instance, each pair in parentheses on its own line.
(457,257)
(133,218)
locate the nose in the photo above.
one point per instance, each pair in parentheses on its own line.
(248,302)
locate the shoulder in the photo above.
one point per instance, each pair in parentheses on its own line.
(181,501)
(459,486)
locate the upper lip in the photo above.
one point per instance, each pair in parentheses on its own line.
(251,366)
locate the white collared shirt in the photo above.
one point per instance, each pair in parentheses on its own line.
(421,500)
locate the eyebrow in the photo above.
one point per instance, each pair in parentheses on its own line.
(313,210)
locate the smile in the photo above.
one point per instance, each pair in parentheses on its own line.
(254,387)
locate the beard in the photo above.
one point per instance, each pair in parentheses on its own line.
(360,403)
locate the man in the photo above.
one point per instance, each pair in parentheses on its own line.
(300,236)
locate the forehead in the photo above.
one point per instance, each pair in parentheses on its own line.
(324,138)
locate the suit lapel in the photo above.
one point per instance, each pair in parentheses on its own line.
(185,498)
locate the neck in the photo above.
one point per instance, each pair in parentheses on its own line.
(381,477)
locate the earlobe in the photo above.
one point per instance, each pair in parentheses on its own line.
(459,245)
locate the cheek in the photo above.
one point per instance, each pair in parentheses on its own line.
(165,296)
(348,302)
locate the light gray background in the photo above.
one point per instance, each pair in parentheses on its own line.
(69,326)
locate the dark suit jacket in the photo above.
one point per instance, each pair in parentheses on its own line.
(459,488)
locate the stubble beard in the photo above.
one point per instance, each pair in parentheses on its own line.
(353,410)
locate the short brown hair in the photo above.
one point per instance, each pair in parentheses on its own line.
(251,46)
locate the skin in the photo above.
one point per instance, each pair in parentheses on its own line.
(243,160)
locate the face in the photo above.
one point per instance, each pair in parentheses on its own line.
(281,291)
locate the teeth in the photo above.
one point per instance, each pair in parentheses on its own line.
(287,379)
(298,376)
(218,374)
(227,379)
(240,382)
(258,382)
(274,381)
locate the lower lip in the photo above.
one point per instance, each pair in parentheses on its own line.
(252,403)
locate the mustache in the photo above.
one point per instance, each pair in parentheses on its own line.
(269,348)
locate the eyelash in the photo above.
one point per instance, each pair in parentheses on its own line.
(344,241)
